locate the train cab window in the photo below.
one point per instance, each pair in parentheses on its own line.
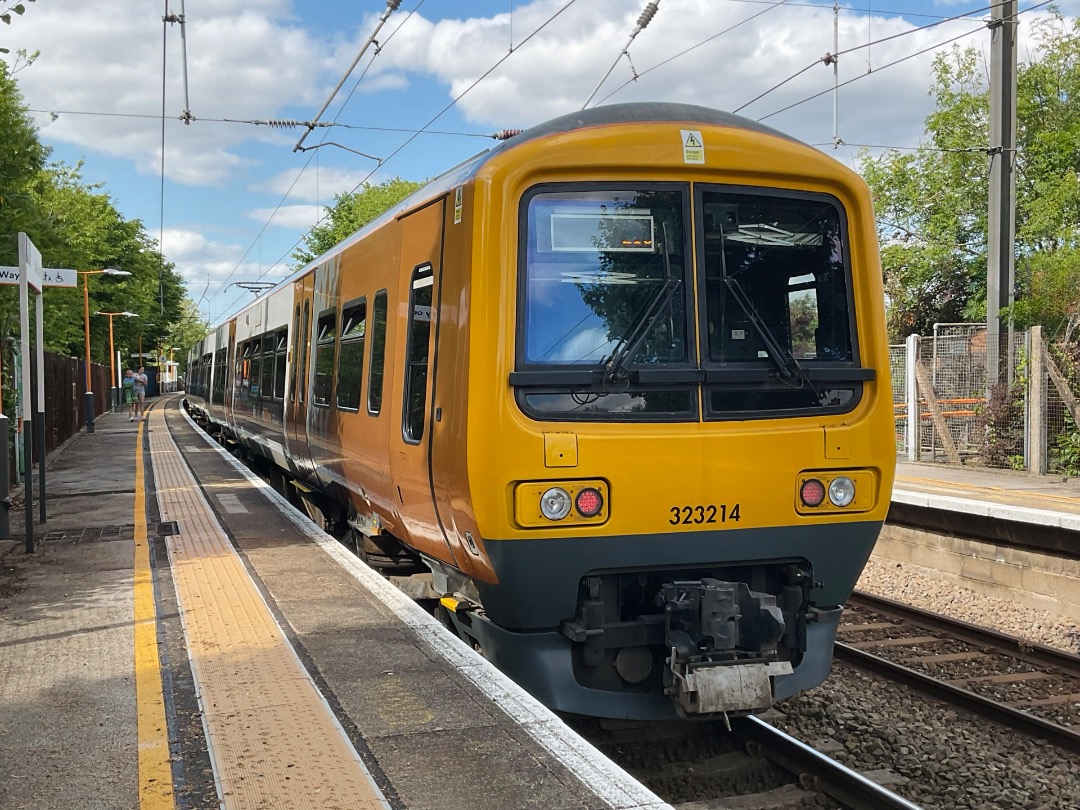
(324,358)
(281,354)
(416,353)
(350,366)
(378,353)
(776,307)
(604,294)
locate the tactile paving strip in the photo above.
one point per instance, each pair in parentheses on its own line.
(273,739)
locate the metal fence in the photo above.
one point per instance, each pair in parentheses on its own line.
(949,410)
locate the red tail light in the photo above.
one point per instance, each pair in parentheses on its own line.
(589,502)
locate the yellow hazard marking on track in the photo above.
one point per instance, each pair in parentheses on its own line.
(155,769)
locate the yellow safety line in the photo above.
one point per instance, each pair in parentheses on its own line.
(1022,493)
(155,770)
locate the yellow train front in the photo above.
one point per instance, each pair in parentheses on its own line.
(633,404)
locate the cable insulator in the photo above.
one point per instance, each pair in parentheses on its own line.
(506,134)
(647,14)
(284,123)
(393,4)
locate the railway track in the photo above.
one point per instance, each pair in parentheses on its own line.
(702,766)
(1028,687)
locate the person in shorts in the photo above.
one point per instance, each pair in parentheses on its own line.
(128,389)
(140,393)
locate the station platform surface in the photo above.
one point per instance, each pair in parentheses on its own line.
(1044,500)
(181,638)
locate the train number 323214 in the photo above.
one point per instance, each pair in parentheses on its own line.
(707,513)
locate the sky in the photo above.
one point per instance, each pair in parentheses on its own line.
(232,200)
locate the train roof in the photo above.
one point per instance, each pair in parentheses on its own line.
(607,115)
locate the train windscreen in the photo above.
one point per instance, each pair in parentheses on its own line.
(614,303)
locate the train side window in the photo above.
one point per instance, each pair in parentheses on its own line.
(221,358)
(350,366)
(266,368)
(301,369)
(416,354)
(295,354)
(378,353)
(281,354)
(324,358)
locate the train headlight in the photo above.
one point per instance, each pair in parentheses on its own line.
(589,502)
(812,492)
(841,491)
(555,503)
(829,492)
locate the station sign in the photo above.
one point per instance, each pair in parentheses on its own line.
(49,277)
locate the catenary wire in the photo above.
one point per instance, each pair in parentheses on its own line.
(413,137)
(891,64)
(300,174)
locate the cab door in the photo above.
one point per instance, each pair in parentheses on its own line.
(410,457)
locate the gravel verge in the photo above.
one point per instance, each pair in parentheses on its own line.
(945,758)
(931,590)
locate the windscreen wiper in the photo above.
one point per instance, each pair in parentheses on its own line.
(616,366)
(786,364)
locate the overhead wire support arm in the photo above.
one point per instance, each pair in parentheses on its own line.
(643,21)
(391,7)
(341,146)
(181,18)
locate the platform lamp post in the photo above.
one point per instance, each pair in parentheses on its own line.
(89,396)
(114,383)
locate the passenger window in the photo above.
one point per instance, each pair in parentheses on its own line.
(305,340)
(324,358)
(378,353)
(296,355)
(280,355)
(416,353)
(351,364)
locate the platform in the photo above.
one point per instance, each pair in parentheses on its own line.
(183,638)
(1009,535)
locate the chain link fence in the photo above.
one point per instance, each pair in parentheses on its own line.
(948,409)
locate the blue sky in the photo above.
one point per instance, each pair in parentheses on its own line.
(236,198)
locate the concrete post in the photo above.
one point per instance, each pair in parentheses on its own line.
(912,389)
(1036,421)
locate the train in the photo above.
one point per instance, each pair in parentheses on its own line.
(618,386)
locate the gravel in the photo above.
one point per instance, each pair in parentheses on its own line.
(931,590)
(943,758)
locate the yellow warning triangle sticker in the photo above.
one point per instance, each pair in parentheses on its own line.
(691,140)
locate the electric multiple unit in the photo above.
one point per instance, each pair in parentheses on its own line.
(620,384)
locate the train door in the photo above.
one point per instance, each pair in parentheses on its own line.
(410,459)
(299,360)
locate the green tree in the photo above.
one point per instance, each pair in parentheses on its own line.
(75,224)
(350,212)
(932,203)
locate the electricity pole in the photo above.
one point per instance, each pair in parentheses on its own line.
(1001,235)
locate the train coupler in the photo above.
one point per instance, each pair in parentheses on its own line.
(722,639)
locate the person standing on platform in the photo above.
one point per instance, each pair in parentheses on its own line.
(128,387)
(140,393)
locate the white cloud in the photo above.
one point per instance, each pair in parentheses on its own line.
(246,59)
(296,217)
(316,184)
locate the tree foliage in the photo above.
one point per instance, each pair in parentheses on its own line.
(932,203)
(76,225)
(350,212)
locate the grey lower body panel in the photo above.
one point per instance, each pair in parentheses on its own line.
(541,662)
